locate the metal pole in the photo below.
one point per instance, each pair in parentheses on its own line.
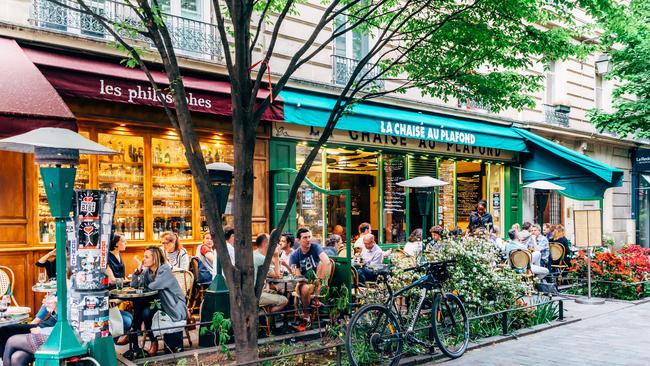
(589,300)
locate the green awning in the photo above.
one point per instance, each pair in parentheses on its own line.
(583,177)
(314,110)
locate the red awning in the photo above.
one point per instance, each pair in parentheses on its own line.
(27,100)
(101,80)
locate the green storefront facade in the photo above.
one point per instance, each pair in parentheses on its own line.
(377,146)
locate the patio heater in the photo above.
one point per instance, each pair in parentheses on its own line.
(217,297)
(423,187)
(57,152)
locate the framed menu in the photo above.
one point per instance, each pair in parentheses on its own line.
(587,227)
(394,198)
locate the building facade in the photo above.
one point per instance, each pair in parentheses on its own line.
(117,108)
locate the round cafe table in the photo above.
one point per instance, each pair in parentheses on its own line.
(286,281)
(132,294)
(14,315)
(46,287)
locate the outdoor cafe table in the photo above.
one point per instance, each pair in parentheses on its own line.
(286,281)
(45,287)
(132,294)
(14,315)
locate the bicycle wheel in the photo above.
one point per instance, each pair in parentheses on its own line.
(373,337)
(450,325)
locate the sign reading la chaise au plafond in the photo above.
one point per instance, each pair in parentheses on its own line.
(401,136)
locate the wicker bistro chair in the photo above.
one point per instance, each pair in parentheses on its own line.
(7,280)
(520,262)
(557,254)
(186,281)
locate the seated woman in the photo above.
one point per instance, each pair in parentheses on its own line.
(115,272)
(48,261)
(174,252)
(20,348)
(156,274)
(413,246)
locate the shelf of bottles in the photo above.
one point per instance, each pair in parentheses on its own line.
(171,189)
(215,151)
(125,174)
(45,221)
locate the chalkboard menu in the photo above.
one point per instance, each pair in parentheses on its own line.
(468,194)
(446,194)
(394,199)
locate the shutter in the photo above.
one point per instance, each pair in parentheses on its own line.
(282,155)
(512,205)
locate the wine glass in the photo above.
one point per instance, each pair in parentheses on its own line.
(42,277)
(4,304)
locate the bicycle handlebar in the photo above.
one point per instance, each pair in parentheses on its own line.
(429,265)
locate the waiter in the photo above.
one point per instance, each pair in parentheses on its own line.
(480,218)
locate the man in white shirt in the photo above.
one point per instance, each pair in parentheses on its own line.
(364,229)
(516,243)
(371,254)
(277,302)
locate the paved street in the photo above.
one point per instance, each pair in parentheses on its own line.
(610,334)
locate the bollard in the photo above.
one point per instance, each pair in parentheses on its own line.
(504,323)
(561,310)
(609,290)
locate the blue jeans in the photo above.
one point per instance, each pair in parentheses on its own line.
(127,320)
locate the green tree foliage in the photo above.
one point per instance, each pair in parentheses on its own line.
(627,38)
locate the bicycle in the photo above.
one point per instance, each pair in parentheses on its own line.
(377,332)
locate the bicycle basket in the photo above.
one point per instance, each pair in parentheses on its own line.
(440,272)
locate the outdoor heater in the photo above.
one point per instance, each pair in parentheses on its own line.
(423,187)
(217,296)
(57,152)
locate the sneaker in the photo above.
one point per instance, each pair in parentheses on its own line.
(304,324)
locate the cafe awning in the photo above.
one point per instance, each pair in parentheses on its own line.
(583,177)
(314,110)
(27,100)
(110,81)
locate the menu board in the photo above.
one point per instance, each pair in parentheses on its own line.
(468,194)
(446,194)
(394,199)
(587,228)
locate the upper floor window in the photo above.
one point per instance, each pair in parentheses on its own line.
(354,44)
(349,48)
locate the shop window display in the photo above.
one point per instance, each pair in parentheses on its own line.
(218,150)
(171,189)
(309,203)
(125,174)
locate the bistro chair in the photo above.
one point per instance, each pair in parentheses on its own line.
(520,262)
(342,252)
(557,254)
(196,298)
(265,312)
(186,280)
(7,280)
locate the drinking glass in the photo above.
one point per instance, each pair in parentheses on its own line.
(294,270)
(119,283)
(4,304)
(42,277)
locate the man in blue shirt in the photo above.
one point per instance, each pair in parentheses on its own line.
(308,257)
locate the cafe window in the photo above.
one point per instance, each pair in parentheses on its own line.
(124,173)
(171,189)
(394,210)
(218,150)
(470,184)
(309,203)
(356,170)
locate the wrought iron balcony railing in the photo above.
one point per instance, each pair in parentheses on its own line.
(556,114)
(343,67)
(190,37)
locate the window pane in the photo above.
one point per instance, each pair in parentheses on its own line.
(394,199)
(340,46)
(359,45)
(309,202)
(495,197)
(124,173)
(447,194)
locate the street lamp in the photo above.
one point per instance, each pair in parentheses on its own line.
(423,187)
(216,297)
(57,152)
(603,64)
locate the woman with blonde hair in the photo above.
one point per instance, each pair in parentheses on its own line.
(559,237)
(156,274)
(174,252)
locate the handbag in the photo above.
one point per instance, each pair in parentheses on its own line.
(115,324)
(163,324)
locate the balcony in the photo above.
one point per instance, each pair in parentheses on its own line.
(556,114)
(343,67)
(190,37)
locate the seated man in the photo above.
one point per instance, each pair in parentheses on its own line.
(516,243)
(277,302)
(371,254)
(309,257)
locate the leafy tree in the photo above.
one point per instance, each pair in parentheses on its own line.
(627,39)
(474,49)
